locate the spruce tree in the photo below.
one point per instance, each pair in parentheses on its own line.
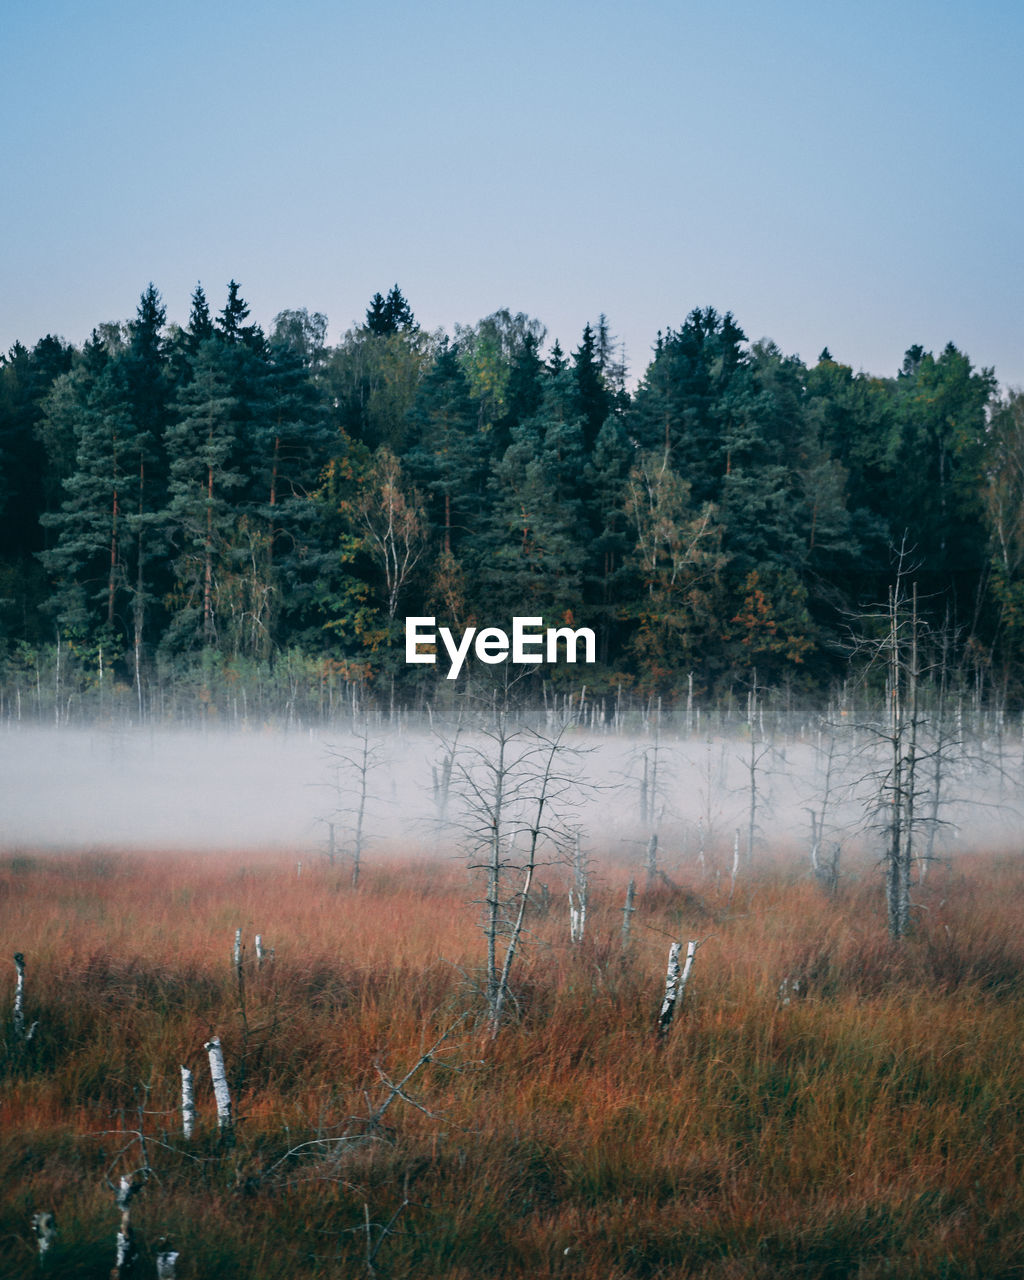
(88,561)
(446,462)
(592,394)
(205,479)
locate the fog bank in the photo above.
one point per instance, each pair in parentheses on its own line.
(74,788)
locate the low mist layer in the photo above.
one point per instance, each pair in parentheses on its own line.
(706,800)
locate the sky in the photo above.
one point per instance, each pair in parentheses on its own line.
(842,176)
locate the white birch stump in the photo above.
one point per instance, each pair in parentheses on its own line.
(19,997)
(668,1005)
(675,983)
(221,1092)
(19,1003)
(188,1105)
(577,915)
(236,954)
(166,1260)
(126,1254)
(691,951)
(45,1227)
(259,951)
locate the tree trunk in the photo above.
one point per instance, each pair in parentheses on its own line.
(188,1105)
(221,1091)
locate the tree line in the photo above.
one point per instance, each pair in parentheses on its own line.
(214,497)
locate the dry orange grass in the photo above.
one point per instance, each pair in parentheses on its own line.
(869,1127)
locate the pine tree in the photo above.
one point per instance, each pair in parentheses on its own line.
(533,562)
(390,315)
(147,374)
(289,444)
(446,461)
(204,454)
(88,563)
(605,479)
(592,393)
(29,484)
(679,404)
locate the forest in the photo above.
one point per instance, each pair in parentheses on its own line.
(201,517)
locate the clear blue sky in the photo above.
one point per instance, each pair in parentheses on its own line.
(841,175)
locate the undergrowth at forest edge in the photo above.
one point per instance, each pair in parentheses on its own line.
(866,1123)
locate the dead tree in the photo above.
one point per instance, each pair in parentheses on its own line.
(443,772)
(712,784)
(20,1034)
(757,753)
(166,1259)
(515,785)
(188,1105)
(579,893)
(127,1255)
(675,983)
(352,769)
(221,1091)
(897,783)
(825,847)
(627,912)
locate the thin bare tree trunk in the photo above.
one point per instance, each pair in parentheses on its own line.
(627,912)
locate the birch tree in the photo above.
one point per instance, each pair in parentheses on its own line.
(393,526)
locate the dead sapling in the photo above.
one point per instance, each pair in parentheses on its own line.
(759,750)
(627,913)
(712,767)
(323,1157)
(443,772)
(351,772)
(898,785)
(579,891)
(826,842)
(647,774)
(516,786)
(371,1123)
(383,1229)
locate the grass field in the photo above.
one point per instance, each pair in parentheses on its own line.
(870,1127)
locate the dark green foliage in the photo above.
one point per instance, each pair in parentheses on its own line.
(533,556)
(447,459)
(207,489)
(593,397)
(205,451)
(391,314)
(681,403)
